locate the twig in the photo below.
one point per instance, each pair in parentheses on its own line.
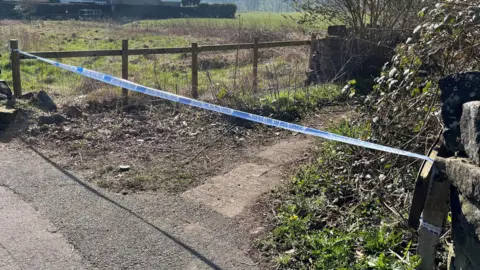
(398,256)
(208,146)
(393,211)
(445,234)
(249,264)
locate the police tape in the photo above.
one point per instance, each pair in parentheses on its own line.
(109,79)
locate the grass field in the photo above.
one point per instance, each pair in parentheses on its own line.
(222,74)
(250,20)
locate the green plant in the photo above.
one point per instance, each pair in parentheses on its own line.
(289,105)
(325,222)
(406,95)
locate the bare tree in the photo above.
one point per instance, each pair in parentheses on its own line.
(362,14)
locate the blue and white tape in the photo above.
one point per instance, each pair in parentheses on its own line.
(430,227)
(109,79)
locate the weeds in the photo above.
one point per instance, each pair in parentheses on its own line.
(329,219)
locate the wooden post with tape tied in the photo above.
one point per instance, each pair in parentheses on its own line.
(433,218)
(429,207)
(423,184)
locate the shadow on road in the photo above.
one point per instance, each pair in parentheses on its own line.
(97,193)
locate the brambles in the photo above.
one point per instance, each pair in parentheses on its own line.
(334,214)
(406,96)
(362,15)
(357,197)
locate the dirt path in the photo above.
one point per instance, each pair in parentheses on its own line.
(111,231)
(201,228)
(231,192)
(145,230)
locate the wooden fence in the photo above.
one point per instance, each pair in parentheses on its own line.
(125,52)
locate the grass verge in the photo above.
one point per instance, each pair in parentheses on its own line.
(332,217)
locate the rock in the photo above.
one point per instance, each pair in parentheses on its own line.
(124,168)
(464,175)
(73,112)
(470,130)
(5,90)
(7,116)
(29,96)
(457,89)
(45,102)
(10,103)
(465,232)
(51,120)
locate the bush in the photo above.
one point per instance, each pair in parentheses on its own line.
(165,12)
(333,216)
(189,3)
(406,96)
(217,10)
(360,15)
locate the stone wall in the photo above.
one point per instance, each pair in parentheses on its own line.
(461,114)
(342,56)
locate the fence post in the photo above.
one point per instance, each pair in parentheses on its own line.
(195,70)
(313,39)
(434,214)
(255,63)
(125,65)
(15,58)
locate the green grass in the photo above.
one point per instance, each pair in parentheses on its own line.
(71,36)
(224,73)
(253,21)
(168,72)
(248,20)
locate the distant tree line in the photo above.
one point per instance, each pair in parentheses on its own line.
(26,10)
(258,5)
(187,3)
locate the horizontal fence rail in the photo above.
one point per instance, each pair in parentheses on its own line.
(125,52)
(205,48)
(74,54)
